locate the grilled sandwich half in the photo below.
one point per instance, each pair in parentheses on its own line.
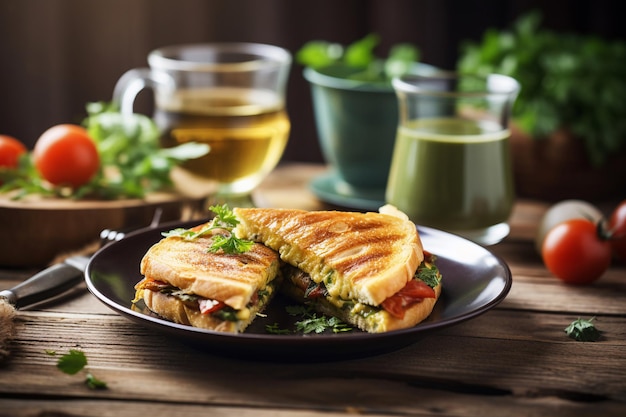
(186,283)
(368,269)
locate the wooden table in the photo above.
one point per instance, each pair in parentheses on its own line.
(514,360)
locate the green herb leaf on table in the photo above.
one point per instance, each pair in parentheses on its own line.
(583,330)
(94,383)
(75,361)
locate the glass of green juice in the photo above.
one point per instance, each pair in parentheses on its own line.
(451,165)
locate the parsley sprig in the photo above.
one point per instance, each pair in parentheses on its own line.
(310,322)
(75,361)
(583,330)
(224,220)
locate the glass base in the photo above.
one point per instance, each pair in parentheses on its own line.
(487,236)
(233,200)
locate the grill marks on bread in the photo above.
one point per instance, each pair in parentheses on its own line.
(230,278)
(364,256)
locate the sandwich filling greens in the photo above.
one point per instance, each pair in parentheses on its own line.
(422,286)
(217,309)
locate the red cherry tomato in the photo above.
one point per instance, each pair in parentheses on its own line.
(616,228)
(575,253)
(10,151)
(66,155)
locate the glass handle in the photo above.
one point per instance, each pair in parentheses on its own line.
(135,80)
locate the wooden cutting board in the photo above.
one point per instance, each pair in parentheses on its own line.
(34,230)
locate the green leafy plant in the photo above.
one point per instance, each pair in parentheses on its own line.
(360,56)
(568,81)
(129,145)
(132,163)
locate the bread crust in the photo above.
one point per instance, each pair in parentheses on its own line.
(172,309)
(230,278)
(362,256)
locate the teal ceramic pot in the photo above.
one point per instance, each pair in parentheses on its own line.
(356,124)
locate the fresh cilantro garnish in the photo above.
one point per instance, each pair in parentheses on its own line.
(224,220)
(224,217)
(360,57)
(429,274)
(275,329)
(319,324)
(230,244)
(312,322)
(75,361)
(583,330)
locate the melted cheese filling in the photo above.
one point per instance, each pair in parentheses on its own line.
(226,313)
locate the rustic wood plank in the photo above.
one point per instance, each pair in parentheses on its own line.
(513,361)
(160,408)
(425,403)
(505,351)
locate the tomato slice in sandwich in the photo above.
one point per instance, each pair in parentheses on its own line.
(413,292)
(210,306)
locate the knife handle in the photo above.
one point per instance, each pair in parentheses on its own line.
(48,283)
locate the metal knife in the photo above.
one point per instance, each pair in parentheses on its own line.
(48,283)
(61,277)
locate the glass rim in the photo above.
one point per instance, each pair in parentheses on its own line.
(494,84)
(261,56)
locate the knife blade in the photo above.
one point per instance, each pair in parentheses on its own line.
(50,282)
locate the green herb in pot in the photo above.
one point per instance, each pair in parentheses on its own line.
(569,81)
(361,57)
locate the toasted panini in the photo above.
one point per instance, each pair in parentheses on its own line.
(185,282)
(366,257)
(404,309)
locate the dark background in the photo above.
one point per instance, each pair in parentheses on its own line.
(58,55)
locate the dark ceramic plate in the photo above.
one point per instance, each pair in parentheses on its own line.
(474,281)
